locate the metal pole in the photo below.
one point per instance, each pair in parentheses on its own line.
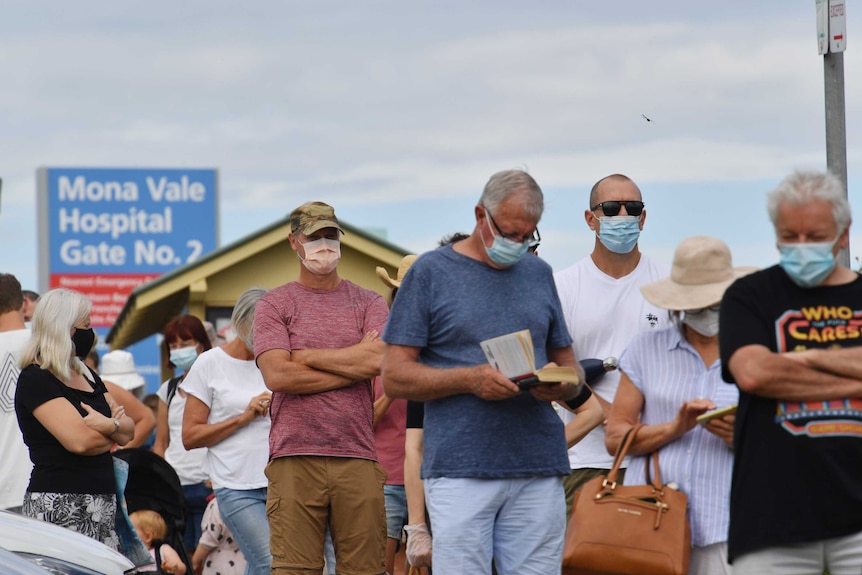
(836,136)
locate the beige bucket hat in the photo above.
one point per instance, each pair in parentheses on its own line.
(702,270)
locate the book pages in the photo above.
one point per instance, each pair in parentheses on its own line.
(511,354)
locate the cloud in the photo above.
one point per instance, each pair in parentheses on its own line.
(392,106)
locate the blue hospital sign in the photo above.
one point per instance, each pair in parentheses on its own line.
(129,221)
(109,230)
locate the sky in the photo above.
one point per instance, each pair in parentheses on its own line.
(396,113)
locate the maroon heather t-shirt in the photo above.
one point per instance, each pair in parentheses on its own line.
(332,423)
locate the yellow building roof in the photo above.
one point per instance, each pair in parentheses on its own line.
(263,258)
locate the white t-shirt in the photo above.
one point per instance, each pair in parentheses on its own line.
(189,464)
(15,465)
(226,385)
(604,314)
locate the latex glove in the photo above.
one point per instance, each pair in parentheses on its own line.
(418,545)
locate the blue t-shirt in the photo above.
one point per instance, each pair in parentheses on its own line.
(446,305)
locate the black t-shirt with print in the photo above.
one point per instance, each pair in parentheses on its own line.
(56,470)
(795,476)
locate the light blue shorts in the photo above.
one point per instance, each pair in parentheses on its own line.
(518,523)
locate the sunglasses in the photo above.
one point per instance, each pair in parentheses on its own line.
(612,207)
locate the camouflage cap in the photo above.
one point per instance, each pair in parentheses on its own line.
(313,216)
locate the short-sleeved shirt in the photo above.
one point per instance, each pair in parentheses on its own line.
(15,463)
(588,295)
(668,372)
(339,422)
(416,409)
(56,470)
(225,385)
(795,473)
(190,464)
(389,435)
(447,304)
(415,414)
(225,557)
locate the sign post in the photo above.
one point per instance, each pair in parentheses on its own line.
(831,43)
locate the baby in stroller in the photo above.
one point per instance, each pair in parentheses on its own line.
(152,530)
(153,485)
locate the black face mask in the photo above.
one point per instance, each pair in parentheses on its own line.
(83,340)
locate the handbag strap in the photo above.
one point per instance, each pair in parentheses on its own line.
(622,450)
(652,458)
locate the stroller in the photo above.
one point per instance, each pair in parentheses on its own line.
(153,484)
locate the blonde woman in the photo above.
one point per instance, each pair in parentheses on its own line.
(69,422)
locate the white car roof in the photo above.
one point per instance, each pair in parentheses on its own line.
(25,535)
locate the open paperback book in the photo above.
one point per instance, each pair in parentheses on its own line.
(513,356)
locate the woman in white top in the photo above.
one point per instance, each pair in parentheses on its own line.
(185,339)
(227,412)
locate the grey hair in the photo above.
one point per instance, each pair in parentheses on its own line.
(805,186)
(50,344)
(242,318)
(503,184)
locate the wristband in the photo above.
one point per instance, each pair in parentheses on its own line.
(116,427)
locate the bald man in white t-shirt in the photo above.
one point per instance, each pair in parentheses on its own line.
(604,308)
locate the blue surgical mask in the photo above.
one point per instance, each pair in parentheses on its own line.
(619,233)
(504,252)
(808,264)
(184,357)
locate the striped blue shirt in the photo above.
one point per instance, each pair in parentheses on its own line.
(668,371)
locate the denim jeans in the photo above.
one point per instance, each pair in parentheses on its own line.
(328,554)
(396,510)
(244,513)
(196,500)
(519,523)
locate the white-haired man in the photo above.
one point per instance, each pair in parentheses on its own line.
(790,339)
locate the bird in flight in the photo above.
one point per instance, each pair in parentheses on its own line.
(645,118)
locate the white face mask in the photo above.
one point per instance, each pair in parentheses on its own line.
(321,256)
(704,322)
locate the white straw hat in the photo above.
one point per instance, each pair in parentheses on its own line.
(119,367)
(702,270)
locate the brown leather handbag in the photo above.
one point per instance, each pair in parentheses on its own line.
(628,530)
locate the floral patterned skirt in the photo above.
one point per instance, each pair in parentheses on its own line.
(91,515)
